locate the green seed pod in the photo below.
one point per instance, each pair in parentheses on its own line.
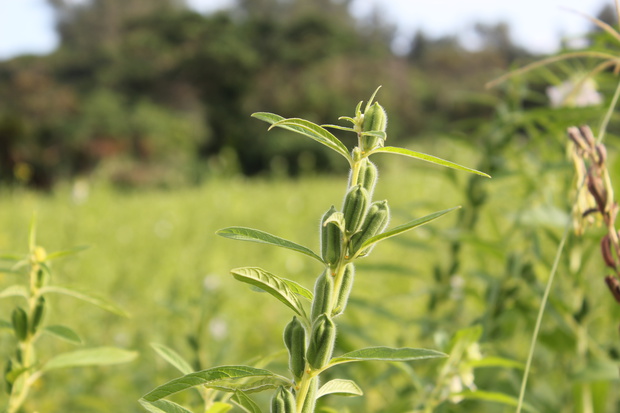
(323,294)
(37,315)
(331,239)
(283,401)
(345,290)
(295,341)
(375,222)
(7,370)
(20,323)
(354,208)
(42,277)
(322,342)
(367,175)
(375,120)
(310,402)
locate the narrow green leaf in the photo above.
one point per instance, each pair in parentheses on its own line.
(262,237)
(492,397)
(496,362)
(245,403)
(225,378)
(10,257)
(299,289)
(339,387)
(306,128)
(386,354)
(344,128)
(379,134)
(172,357)
(272,284)
(14,291)
(95,299)
(428,158)
(405,227)
(163,406)
(98,356)
(6,325)
(64,253)
(64,333)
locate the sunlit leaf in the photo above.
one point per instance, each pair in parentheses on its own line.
(386,354)
(64,333)
(405,227)
(95,299)
(493,397)
(225,378)
(255,235)
(14,291)
(219,407)
(245,403)
(339,387)
(163,406)
(64,253)
(305,128)
(272,284)
(299,289)
(172,357)
(427,158)
(90,357)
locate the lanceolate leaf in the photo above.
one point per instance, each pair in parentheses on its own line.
(245,403)
(64,333)
(64,253)
(299,289)
(386,354)
(85,296)
(493,397)
(340,387)
(90,357)
(255,235)
(405,227)
(272,284)
(428,158)
(14,291)
(172,357)
(226,378)
(306,128)
(163,406)
(5,325)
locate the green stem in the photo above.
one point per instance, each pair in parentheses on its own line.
(607,117)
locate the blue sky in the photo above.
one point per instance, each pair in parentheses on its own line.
(27,26)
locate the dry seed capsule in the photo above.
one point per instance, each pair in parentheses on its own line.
(331,239)
(283,401)
(37,315)
(322,342)
(345,290)
(323,293)
(376,220)
(295,341)
(354,208)
(375,120)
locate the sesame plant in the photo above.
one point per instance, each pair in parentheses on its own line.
(28,323)
(347,234)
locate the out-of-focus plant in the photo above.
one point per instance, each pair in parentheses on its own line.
(28,323)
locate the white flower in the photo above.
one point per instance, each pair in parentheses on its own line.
(572,93)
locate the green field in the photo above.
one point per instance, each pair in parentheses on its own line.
(155,253)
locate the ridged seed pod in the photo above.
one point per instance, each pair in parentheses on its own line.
(331,239)
(367,175)
(375,120)
(323,294)
(42,277)
(19,319)
(375,222)
(354,208)
(322,342)
(295,341)
(310,402)
(37,315)
(283,401)
(345,290)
